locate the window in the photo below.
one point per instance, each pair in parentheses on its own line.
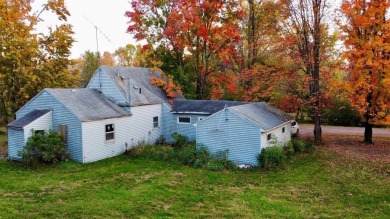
(283,129)
(41,132)
(109,132)
(200,118)
(269,136)
(155,122)
(185,120)
(63,130)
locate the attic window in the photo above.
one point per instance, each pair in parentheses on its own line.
(184,120)
(283,129)
(109,132)
(269,136)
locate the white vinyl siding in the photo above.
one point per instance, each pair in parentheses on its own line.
(129,131)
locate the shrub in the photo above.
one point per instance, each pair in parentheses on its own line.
(309,146)
(299,146)
(289,149)
(44,148)
(271,157)
(179,140)
(189,154)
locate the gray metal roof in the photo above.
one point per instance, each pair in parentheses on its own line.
(139,79)
(261,114)
(87,104)
(28,118)
(202,106)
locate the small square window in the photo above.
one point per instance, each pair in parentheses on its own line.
(269,136)
(110,132)
(283,129)
(155,122)
(185,120)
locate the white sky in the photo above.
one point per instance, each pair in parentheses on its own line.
(107,15)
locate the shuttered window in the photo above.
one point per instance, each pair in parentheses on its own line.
(110,132)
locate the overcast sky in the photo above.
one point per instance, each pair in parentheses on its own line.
(107,15)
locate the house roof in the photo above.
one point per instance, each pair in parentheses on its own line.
(28,118)
(139,80)
(202,106)
(87,104)
(261,114)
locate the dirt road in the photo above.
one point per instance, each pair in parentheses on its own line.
(307,129)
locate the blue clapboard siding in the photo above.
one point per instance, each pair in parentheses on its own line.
(15,142)
(103,83)
(167,124)
(61,116)
(188,130)
(226,131)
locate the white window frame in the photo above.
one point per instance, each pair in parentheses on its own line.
(154,123)
(201,118)
(109,132)
(178,120)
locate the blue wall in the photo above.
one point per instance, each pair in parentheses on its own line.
(224,130)
(15,142)
(61,116)
(103,83)
(188,130)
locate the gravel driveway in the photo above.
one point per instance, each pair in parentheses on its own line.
(307,129)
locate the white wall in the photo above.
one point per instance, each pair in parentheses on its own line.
(42,123)
(130,130)
(279,135)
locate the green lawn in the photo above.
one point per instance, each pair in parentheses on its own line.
(318,185)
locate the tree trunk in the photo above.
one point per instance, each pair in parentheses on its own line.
(317,129)
(368,132)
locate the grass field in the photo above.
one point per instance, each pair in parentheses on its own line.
(318,185)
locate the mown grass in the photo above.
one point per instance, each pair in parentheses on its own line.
(3,140)
(317,185)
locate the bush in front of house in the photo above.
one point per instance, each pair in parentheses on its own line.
(184,152)
(271,158)
(275,156)
(44,148)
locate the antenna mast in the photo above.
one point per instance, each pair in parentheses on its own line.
(96,34)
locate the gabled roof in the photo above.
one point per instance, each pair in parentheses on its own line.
(261,114)
(202,106)
(87,104)
(28,118)
(139,80)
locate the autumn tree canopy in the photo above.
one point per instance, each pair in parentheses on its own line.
(30,61)
(366,34)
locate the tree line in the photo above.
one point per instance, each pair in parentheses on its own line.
(303,56)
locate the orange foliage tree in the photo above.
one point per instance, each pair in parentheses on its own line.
(366,29)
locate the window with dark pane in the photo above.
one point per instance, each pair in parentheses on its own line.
(155,122)
(110,132)
(184,120)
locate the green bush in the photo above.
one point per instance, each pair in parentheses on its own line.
(180,140)
(189,154)
(299,146)
(271,158)
(44,148)
(289,149)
